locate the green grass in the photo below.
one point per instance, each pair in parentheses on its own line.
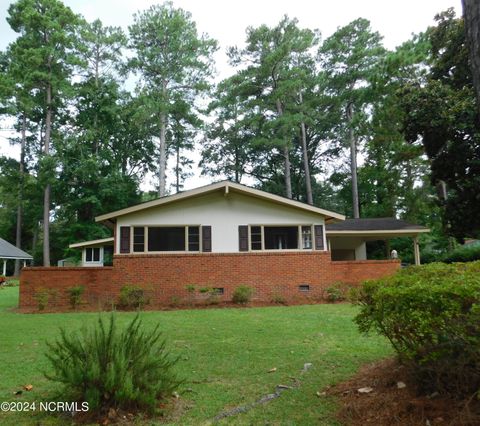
(225,356)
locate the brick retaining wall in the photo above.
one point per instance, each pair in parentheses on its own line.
(165,276)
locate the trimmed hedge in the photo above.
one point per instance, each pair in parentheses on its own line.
(431,315)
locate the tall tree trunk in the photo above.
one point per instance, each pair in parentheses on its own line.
(471,15)
(46,195)
(306,165)
(353,161)
(162,166)
(177,168)
(286,155)
(95,117)
(35,239)
(18,239)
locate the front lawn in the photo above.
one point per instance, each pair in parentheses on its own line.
(225,358)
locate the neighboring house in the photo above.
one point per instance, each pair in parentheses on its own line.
(226,234)
(10,252)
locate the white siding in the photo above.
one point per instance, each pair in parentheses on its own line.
(350,243)
(224,213)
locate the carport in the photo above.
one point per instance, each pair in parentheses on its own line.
(347,240)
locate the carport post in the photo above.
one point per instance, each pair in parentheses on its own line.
(4,267)
(416,250)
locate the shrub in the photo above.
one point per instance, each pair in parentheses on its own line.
(431,315)
(204,290)
(190,288)
(278,298)
(132,297)
(109,367)
(242,294)
(12,283)
(335,293)
(42,296)
(175,301)
(75,295)
(468,253)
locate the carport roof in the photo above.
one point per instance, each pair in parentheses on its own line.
(375,226)
(9,251)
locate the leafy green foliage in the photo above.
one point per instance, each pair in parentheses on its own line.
(111,367)
(242,294)
(75,295)
(431,315)
(335,293)
(132,297)
(442,113)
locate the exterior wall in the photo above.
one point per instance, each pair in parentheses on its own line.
(165,277)
(352,243)
(224,213)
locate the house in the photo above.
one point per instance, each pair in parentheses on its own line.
(10,252)
(223,235)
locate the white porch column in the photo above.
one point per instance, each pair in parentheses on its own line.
(416,250)
(4,268)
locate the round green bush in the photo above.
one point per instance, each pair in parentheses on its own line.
(242,294)
(431,315)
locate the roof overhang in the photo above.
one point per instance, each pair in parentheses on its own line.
(393,233)
(103,241)
(226,187)
(16,257)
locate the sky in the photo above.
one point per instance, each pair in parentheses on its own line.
(226,22)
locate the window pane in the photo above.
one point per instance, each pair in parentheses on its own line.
(88,254)
(256,237)
(139,239)
(166,239)
(306,237)
(193,238)
(281,237)
(96,254)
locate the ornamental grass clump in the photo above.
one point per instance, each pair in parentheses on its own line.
(108,366)
(431,315)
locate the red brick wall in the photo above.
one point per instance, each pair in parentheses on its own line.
(165,276)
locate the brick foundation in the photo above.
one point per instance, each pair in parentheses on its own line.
(165,277)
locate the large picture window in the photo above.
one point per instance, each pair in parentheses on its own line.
(166,238)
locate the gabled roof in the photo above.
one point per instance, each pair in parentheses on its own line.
(9,251)
(372,226)
(226,187)
(103,241)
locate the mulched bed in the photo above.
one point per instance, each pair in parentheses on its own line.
(387,404)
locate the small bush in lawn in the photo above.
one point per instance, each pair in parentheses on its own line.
(334,293)
(242,294)
(75,295)
(431,315)
(111,367)
(132,297)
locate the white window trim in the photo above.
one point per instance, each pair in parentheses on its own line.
(86,262)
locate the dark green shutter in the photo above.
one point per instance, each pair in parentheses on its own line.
(124,239)
(243,238)
(207,238)
(318,229)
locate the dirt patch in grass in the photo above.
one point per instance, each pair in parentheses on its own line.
(389,402)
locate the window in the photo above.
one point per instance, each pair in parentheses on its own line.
(139,239)
(281,237)
(193,238)
(304,288)
(218,290)
(92,254)
(273,237)
(166,238)
(306,237)
(256,237)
